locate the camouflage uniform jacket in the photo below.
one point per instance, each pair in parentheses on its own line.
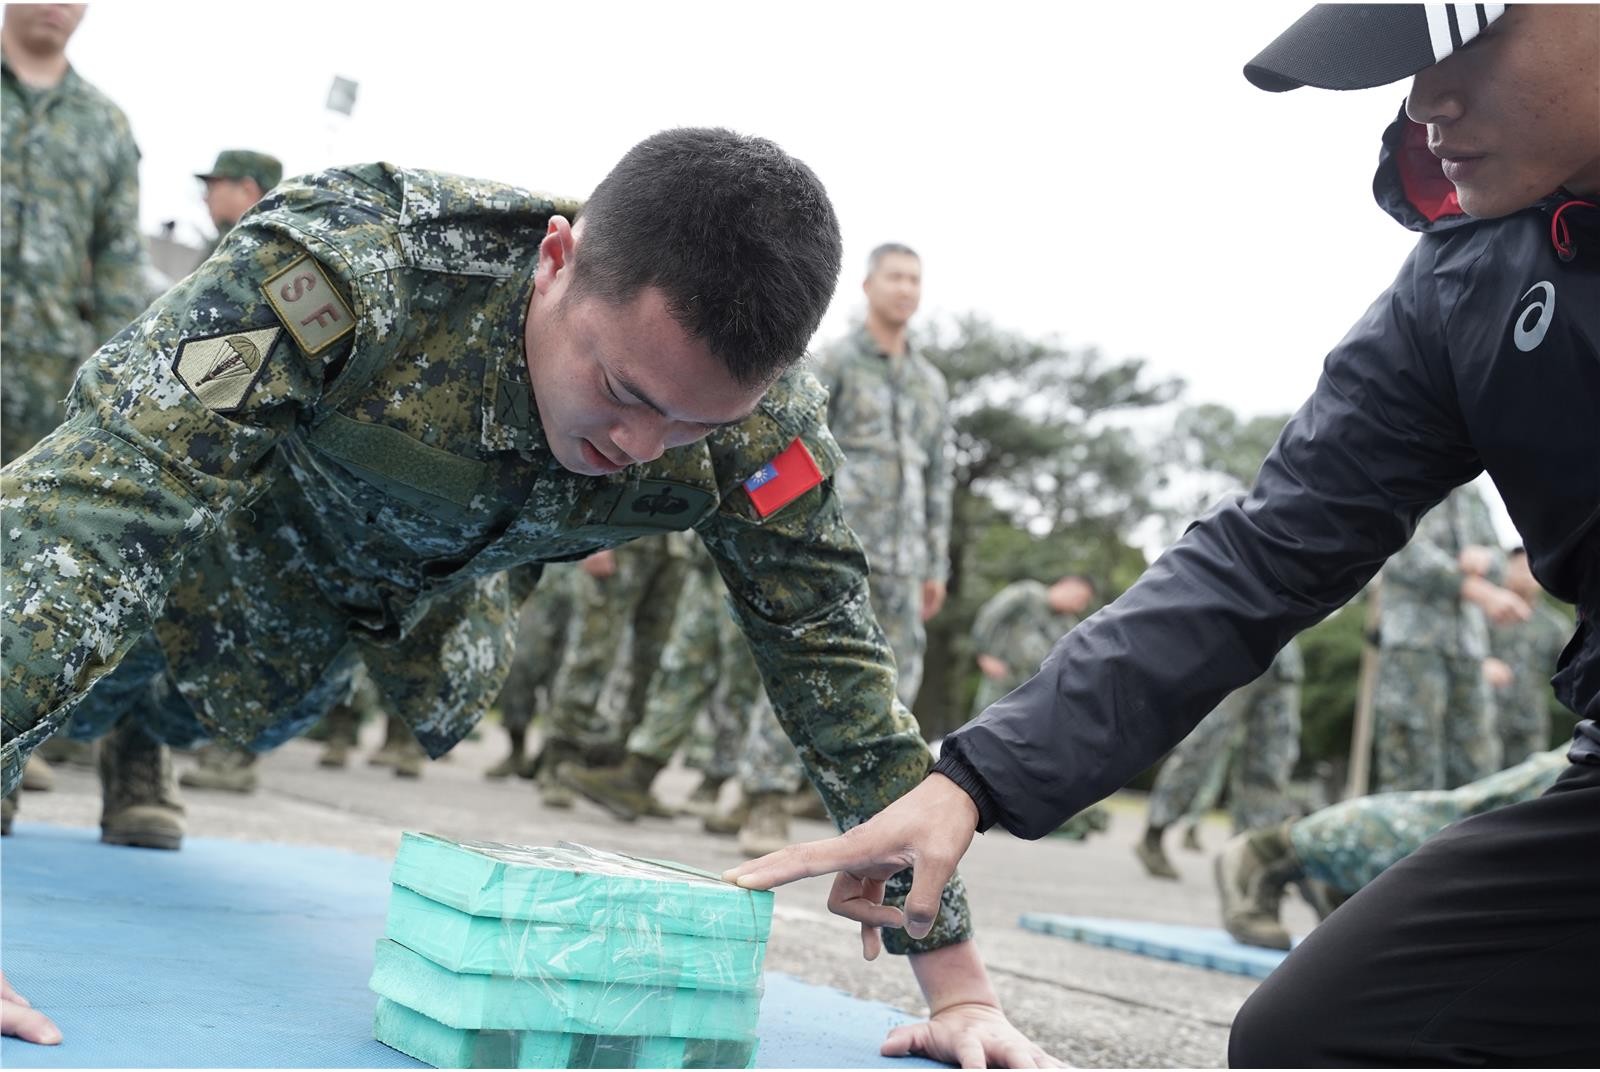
(335,409)
(1531,649)
(74,262)
(1018,627)
(891,415)
(1422,604)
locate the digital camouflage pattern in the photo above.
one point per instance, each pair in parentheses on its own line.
(1353,842)
(1256,731)
(377,473)
(1433,712)
(616,632)
(541,640)
(1522,709)
(891,416)
(707,669)
(72,258)
(1016,626)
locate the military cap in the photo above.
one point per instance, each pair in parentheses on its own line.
(246,164)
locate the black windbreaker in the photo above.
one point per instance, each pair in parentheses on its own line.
(1483,354)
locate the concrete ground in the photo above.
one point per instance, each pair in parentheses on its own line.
(1091,1007)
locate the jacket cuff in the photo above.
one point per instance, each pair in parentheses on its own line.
(952,766)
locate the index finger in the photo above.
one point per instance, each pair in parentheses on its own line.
(805,860)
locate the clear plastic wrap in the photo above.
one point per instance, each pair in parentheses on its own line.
(567,957)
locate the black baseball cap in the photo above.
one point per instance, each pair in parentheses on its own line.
(1357,46)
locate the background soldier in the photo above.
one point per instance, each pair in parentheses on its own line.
(1017,627)
(1349,844)
(1433,712)
(238,179)
(889,408)
(73,261)
(623,603)
(1529,651)
(541,642)
(1256,731)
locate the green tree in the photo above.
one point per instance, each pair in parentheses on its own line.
(1047,481)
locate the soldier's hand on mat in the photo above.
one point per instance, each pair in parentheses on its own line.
(928,829)
(933,593)
(993,668)
(600,565)
(1475,561)
(1497,673)
(21,1019)
(972,1035)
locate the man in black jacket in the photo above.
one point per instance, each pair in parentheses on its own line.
(1483,355)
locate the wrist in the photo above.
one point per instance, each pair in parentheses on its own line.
(952,976)
(953,769)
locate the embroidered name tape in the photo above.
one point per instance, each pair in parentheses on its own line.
(783,479)
(309,306)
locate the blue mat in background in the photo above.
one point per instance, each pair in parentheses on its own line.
(1203,947)
(241,954)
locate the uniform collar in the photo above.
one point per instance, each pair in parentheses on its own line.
(510,416)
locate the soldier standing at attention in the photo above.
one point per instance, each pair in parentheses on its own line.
(1433,710)
(238,179)
(889,408)
(362,426)
(73,261)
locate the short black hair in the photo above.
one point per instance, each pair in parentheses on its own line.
(739,236)
(884,250)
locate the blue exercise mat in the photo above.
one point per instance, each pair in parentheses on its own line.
(1203,947)
(241,954)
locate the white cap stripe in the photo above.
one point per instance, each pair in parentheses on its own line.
(1467,21)
(1492,12)
(1438,30)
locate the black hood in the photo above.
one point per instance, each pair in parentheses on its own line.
(1410,186)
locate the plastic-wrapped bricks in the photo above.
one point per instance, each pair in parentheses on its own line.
(566,957)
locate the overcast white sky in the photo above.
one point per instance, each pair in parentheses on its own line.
(1102,172)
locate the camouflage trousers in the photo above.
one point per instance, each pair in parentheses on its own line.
(1523,716)
(31,399)
(615,638)
(541,640)
(1350,844)
(1433,721)
(1255,731)
(708,675)
(897,603)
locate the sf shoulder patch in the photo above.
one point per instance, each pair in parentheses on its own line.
(783,480)
(309,306)
(222,369)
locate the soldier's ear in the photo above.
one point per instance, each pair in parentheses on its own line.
(555,253)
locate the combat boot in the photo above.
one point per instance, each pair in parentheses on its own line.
(806,803)
(703,801)
(395,735)
(63,749)
(623,791)
(1150,853)
(554,754)
(1191,838)
(139,795)
(37,777)
(730,822)
(222,766)
(335,754)
(513,762)
(766,828)
(8,811)
(409,758)
(1251,872)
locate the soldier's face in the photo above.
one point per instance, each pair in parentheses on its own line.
(1516,114)
(1070,595)
(229,199)
(618,384)
(43,27)
(894,289)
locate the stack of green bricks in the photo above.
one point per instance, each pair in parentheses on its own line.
(503,956)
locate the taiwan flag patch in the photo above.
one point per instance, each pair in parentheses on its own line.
(783,480)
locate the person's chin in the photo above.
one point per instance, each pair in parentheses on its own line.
(1489,200)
